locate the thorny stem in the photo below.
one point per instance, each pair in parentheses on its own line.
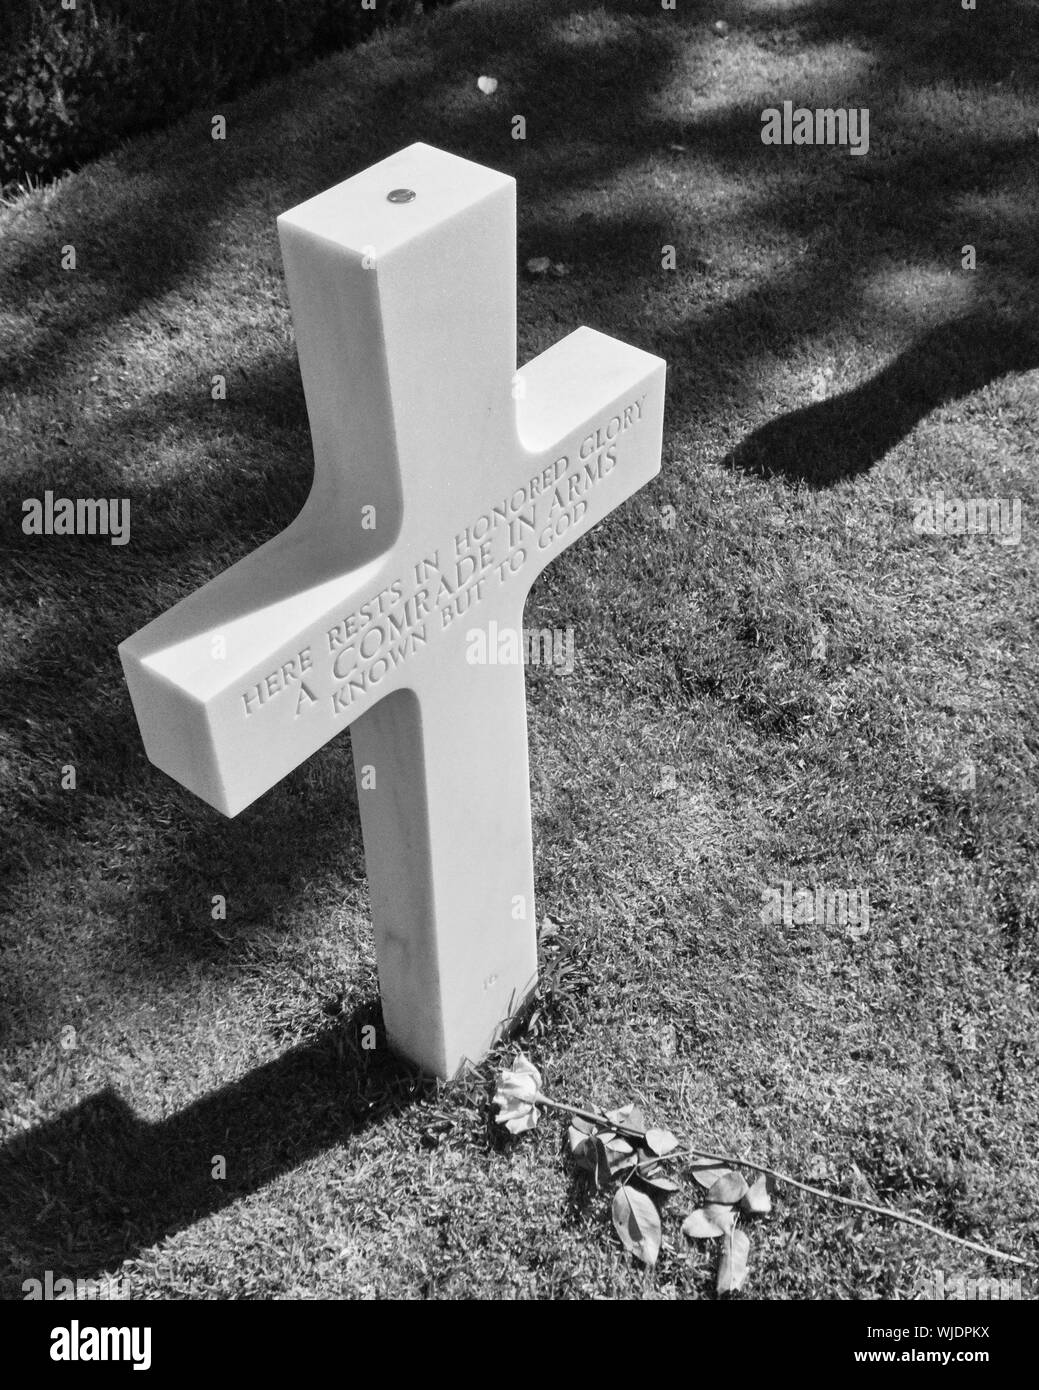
(606,1123)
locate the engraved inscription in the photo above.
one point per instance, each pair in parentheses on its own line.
(364,647)
(287,674)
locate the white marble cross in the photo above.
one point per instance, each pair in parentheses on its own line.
(444,482)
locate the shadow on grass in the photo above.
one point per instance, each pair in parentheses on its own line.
(96,1185)
(838,438)
(64,701)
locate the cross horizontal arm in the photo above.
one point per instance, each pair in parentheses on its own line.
(241,681)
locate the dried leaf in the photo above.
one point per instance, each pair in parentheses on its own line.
(721,1216)
(730,1187)
(619,1154)
(578,1139)
(538,265)
(628,1117)
(660,1141)
(708,1176)
(733,1268)
(652,1172)
(600,1166)
(756,1199)
(699,1226)
(616,1144)
(637,1223)
(662,1186)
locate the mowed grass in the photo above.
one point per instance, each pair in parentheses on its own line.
(776,679)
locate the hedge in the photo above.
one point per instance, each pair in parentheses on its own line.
(74,81)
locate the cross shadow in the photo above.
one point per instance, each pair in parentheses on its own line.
(822,443)
(159,902)
(93,1187)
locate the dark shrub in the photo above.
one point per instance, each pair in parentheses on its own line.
(72,82)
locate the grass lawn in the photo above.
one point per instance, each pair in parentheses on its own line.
(777,679)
